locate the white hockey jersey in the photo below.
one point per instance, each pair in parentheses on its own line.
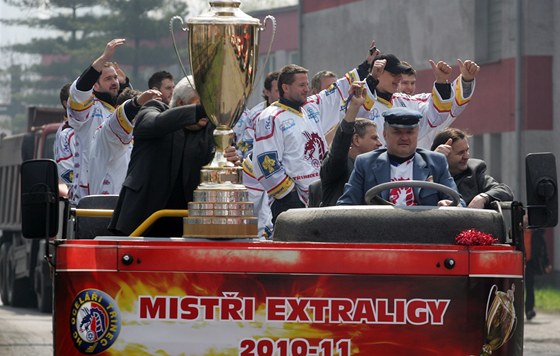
(63,149)
(110,153)
(86,113)
(245,129)
(290,144)
(435,110)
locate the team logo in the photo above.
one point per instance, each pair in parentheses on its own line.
(67,175)
(268,162)
(314,148)
(95,321)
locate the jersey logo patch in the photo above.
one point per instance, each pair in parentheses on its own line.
(288,124)
(268,163)
(313,115)
(67,176)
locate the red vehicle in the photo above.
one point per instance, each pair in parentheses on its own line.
(24,273)
(363,280)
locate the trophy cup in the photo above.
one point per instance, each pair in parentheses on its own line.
(223,49)
(500,319)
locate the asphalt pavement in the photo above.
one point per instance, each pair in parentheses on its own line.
(542,335)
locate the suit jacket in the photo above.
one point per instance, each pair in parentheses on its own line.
(164,153)
(474,181)
(373,168)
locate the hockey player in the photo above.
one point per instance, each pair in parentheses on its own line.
(92,101)
(445,102)
(112,143)
(289,139)
(245,133)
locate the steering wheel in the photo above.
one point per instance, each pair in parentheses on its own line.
(372,194)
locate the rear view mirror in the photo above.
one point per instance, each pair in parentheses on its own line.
(542,190)
(39,199)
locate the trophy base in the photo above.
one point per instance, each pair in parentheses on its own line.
(220,175)
(221,209)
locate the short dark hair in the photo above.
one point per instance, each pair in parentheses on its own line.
(361,125)
(316,80)
(270,77)
(64,94)
(449,133)
(158,77)
(410,70)
(127,93)
(287,75)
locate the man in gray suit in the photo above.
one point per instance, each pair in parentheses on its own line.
(400,161)
(477,188)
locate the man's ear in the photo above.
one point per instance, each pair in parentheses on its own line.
(355,140)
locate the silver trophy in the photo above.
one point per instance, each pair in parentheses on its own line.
(223,49)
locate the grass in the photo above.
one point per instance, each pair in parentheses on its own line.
(547,299)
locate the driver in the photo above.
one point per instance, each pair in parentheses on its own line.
(400,161)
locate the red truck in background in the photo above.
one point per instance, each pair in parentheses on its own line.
(24,272)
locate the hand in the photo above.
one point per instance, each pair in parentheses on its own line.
(110,49)
(445,202)
(478,202)
(378,68)
(356,98)
(548,269)
(372,53)
(148,95)
(230,153)
(120,73)
(442,71)
(469,69)
(357,93)
(199,125)
(446,148)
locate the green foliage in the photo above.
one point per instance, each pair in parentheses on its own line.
(547,299)
(81,31)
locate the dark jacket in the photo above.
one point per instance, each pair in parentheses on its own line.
(474,181)
(337,166)
(538,261)
(165,162)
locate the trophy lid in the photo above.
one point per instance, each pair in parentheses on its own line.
(224,12)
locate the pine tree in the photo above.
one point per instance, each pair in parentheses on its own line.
(81,29)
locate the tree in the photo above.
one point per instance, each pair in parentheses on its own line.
(80,32)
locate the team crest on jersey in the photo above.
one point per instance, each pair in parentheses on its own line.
(67,176)
(288,124)
(268,163)
(314,148)
(95,321)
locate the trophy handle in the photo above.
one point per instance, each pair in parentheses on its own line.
(175,44)
(493,289)
(273,19)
